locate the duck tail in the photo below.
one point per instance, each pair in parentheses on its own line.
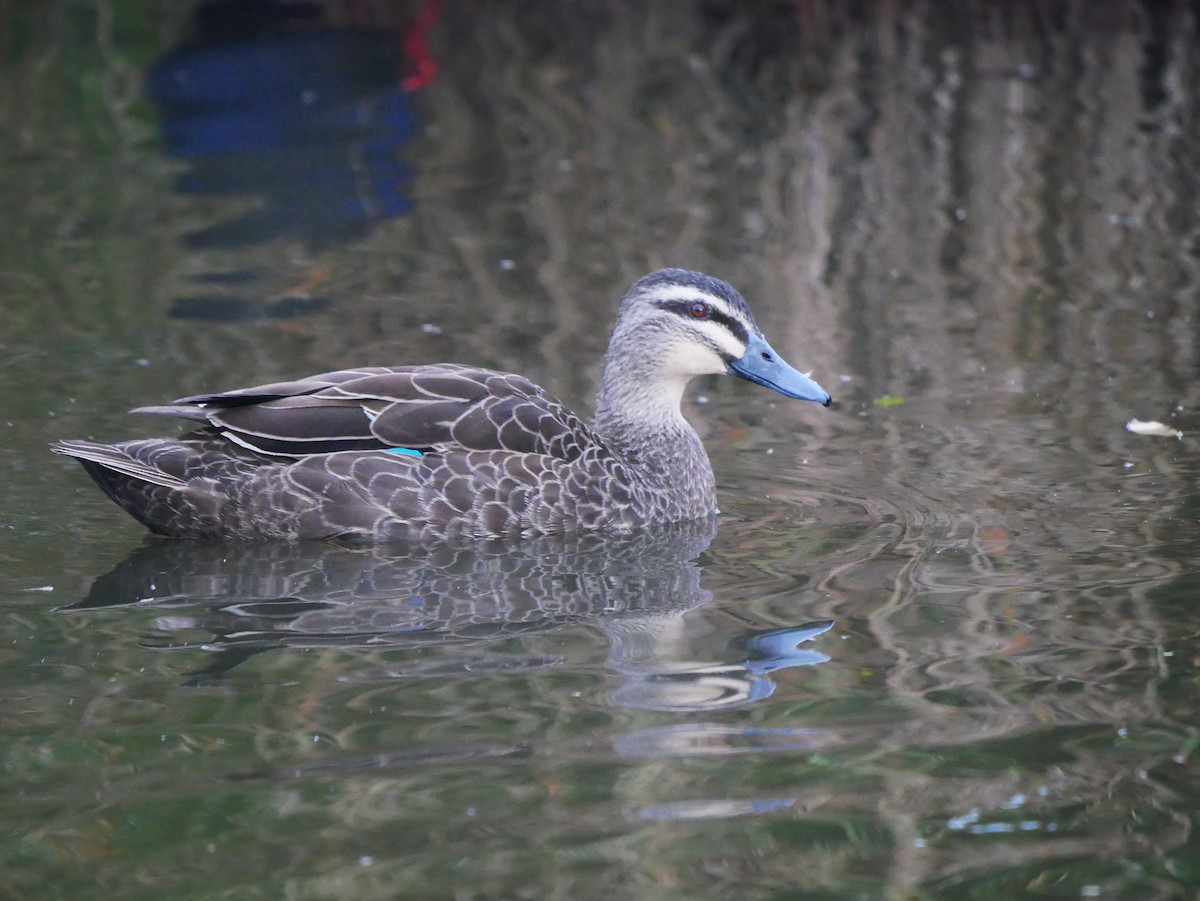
(148,480)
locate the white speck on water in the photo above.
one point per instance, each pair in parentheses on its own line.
(508,265)
(1151,427)
(1124,221)
(959,823)
(430,329)
(366,860)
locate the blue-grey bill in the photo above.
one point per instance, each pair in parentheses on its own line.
(761,364)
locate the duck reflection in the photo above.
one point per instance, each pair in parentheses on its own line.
(239,599)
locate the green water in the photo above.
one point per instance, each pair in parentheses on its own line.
(937,648)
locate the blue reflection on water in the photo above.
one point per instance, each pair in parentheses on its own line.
(308,123)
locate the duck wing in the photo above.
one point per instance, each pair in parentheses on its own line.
(432,408)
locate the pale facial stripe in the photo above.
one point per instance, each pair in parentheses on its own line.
(725,329)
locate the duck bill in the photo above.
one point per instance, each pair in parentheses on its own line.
(761,364)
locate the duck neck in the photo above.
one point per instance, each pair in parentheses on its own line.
(638,411)
(638,415)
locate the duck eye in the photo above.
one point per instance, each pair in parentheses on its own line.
(699,310)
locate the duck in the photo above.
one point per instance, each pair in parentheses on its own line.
(441,451)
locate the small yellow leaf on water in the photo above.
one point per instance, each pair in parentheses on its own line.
(1152,428)
(888,400)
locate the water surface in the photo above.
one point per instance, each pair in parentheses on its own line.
(941,643)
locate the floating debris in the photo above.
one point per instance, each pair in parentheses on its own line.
(1138,427)
(888,400)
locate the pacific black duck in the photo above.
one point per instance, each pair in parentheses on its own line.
(423,453)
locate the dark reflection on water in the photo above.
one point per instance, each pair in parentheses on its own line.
(302,118)
(984,210)
(459,602)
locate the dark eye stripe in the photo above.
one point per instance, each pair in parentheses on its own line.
(683,308)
